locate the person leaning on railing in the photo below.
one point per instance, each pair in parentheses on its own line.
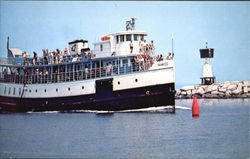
(152,47)
(45,56)
(170,56)
(25,58)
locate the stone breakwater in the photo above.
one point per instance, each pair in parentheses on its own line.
(236,89)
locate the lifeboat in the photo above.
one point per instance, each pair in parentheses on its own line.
(105,38)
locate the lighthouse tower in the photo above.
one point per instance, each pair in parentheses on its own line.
(207,77)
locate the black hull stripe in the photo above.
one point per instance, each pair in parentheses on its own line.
(158,95)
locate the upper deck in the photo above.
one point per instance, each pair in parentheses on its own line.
(118,53)
(17,71)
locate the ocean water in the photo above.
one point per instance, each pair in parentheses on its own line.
(221,132)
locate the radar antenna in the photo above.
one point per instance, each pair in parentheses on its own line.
(130,24)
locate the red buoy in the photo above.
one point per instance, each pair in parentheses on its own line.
(195,107)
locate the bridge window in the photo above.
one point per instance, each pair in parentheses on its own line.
(122,38)
(135,37)
(142,37)
(117,39)
(101,47)
(128,37)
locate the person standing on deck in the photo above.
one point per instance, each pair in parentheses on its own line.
(24,58)
(27,58)
(152,47)
(140,46)
(66,52)
(144,47)
(45,56)
(34,58)
(131,47)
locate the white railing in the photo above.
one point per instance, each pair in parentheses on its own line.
(43,60)
(83,74)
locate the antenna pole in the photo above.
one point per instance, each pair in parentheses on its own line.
(8,39)
(172,42)
(80,30)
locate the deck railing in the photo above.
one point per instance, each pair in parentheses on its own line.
(43,60)
(83,74)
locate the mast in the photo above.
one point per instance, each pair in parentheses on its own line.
(8,47)
(8,39)
(172,43)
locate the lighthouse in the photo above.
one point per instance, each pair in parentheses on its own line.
(207,77)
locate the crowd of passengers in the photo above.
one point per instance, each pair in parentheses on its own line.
(144,48)
(58,56)
(54,57)
(169,57)
(42,75)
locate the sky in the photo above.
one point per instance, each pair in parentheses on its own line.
(225,25)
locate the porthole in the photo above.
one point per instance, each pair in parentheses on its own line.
(136,80)
(57,90)
(5,90)
(45,90)
(118,82)
(9,90)
(14,91)
(36,90)
(69,88)
(19,91)
(30,90)
(82,87)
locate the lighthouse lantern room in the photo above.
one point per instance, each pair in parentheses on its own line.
(207,74)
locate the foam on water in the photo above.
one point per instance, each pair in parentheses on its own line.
(44,112)
(150,109)
(182,107)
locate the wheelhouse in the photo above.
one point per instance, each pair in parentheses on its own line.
(118,44)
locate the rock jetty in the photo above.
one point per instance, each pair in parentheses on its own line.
(235,89)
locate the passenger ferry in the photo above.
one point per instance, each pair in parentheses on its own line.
(122,72)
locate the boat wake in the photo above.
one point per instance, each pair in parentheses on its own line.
(162,109)
(44,112)
(156,109)
(183,107)
(150,109)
